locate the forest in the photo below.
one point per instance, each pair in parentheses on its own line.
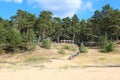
(23,31)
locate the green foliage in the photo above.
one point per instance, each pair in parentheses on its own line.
(23,20)
(2,34)
(83,49)
(18,32)
(13,37)
(30,35)
(13,40)
(75,27)
(2,37)
(102,41)
(61,51)
(69,47)
(30,39)
(110,46)
(66,47)
(67,28)
(46,43)
(106,45)
(45,23)
(57,23)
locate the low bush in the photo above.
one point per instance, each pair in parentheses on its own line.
(46,43)
(61,51)
(66,47)
(106,45)
(69,47)
(83,49)
(110,46)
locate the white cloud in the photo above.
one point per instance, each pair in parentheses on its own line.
(60,8)
(16,1)
(87,6)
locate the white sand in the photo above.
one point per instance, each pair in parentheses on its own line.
(62,74)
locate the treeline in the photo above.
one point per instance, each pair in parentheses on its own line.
(24,29)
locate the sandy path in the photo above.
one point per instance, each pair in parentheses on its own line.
(62,74)
(60,70)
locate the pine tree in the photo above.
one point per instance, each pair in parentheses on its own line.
(57,23)
(44,24)
(75,27)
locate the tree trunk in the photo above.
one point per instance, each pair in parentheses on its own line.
(58,39)
(39,39)
(116,37)
(57,36)
(43,33)
(73,38)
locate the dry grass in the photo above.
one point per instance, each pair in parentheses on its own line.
(40,55)
(94,57)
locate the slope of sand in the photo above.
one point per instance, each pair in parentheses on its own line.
(61,69)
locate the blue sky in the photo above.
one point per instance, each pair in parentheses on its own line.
(62,8)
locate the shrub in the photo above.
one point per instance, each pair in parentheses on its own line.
(110,46)
(102,41)
(105,44)
(73,48)
(30,38)
(61,51)
(83,49)
(69,47)
(66,47)
(46,43)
